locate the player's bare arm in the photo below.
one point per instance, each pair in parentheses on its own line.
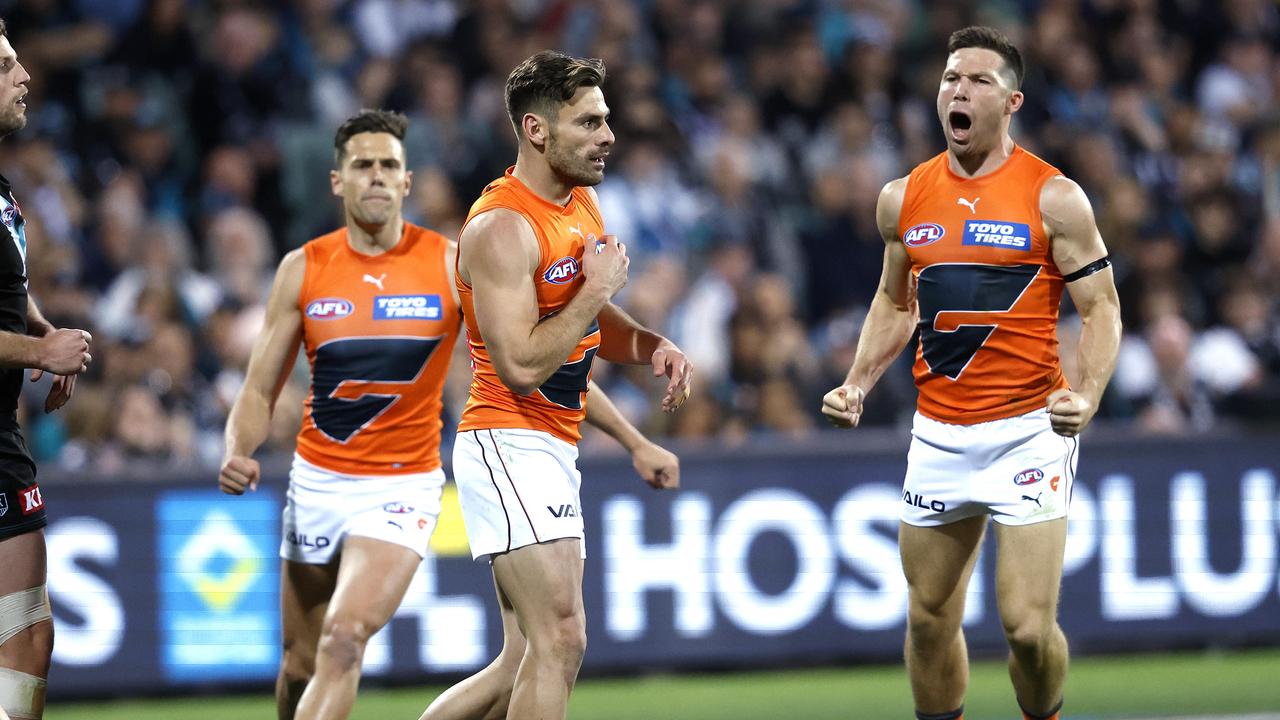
(657,466)
(269,364)
(45,349)
(499,255)
(37,325)
(890,321)
(457,382)
(1080,254)
(63,384)
(623,340)
(451,269)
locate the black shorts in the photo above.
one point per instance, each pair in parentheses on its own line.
(21,504)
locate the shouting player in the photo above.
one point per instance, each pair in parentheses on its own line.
(980,242)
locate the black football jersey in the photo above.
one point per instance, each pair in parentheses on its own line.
(13,292)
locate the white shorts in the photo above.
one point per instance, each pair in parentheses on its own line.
(324,508)
(516,488)
(1017,470)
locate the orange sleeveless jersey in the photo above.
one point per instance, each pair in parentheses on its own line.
(559,405)
(988,290)
(379,331)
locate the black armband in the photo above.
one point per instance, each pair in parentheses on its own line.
(1101,263)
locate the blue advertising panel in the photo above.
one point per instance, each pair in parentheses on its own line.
(768,556)
(218,582)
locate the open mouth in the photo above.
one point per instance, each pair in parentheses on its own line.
(961,124)
(598,161)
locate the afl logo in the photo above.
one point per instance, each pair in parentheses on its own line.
(561,271)
(923,234)
(329,309)
(1028,477)
(7,215)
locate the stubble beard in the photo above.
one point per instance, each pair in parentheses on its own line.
(574,170)
(12,121)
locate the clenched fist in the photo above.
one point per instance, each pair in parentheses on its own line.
(238,472)
(843,406)
(64,352)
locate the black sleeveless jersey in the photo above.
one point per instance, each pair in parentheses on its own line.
(13,294)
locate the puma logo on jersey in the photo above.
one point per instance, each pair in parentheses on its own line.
(1035,499)
(375,280)
(971,204)
(576,230)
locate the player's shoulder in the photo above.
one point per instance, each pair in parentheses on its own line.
(493,222)
(1060,194)
(892,195)
(291,274)
(294,261)
(895,189)
(499,230)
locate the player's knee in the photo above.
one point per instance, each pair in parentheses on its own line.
(297,663)
(932,623)
(1029,632)
(35,640)
(508,661)
(571,639)
(26,631)
(344,640)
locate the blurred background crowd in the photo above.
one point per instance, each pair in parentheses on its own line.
(177,148)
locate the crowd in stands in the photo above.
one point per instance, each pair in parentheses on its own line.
(178,148)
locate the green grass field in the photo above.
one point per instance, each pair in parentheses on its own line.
(1110,687)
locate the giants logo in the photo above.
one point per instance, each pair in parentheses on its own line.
(562,271)
(923,234)
(1029,477)
(31,500)
(329,309)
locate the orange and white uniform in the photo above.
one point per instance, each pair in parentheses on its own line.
(988,291)
(515,456)
(378,331)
